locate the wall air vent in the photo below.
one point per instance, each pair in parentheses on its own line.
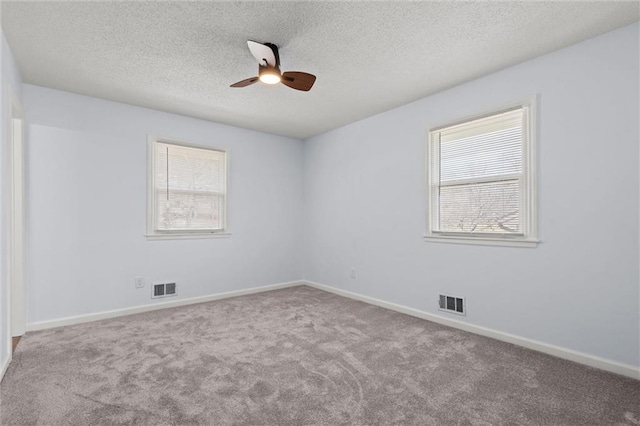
(163,290)
(452,304)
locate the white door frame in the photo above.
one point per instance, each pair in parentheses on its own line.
(17,289)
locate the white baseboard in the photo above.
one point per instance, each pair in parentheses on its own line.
(557,351)
(78,319)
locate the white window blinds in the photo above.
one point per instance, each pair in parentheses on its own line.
(477,175)
(189,188)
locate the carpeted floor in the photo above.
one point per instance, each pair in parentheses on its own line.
(297,356)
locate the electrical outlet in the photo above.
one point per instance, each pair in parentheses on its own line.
(139,282)
(353,273)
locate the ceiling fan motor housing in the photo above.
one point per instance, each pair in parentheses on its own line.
(268,74)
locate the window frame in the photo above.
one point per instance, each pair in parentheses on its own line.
(155,234)
(528,189)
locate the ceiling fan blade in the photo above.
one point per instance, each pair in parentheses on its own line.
(246,82)
(262,53)
(298,80)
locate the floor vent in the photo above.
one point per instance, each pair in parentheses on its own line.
(452,304)
(163,290)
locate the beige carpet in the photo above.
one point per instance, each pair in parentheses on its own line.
(298,356)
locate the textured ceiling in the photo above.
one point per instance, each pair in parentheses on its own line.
(181,57)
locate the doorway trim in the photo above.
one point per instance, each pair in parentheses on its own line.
(17,289)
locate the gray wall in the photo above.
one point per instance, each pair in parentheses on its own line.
(365,205)
(86,205)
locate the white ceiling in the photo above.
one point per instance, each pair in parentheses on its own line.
(369,57)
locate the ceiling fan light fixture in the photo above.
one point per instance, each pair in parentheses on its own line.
(269,69)
(270,78)
(269,75)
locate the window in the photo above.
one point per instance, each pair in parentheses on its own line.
(187,193)
(481,179)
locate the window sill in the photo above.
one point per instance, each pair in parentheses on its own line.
(187,236)
(482,241)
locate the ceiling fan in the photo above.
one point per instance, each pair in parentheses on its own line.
(269,69)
